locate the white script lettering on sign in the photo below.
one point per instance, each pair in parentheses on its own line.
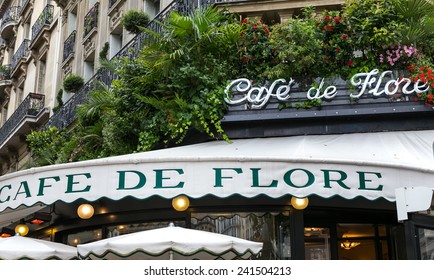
(258,96)
(372,82)
(364,80)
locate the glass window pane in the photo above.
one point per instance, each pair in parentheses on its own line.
(355,230)
(270,228)
(130,228)
(382,231)
(84,237)
(357,249)
(317,243)
(384,250)
(426,243)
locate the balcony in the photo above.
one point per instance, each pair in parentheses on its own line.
(9,20)
(41,25)
(66,114)
(69,47)
(20,56)
(26,7)
(30,114)
(5,77)
(62,3)
(91,21)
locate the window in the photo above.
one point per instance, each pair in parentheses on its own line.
(4,114)
(131,228)
(270,228)
(41,77)
(317,243)
(151,7)
(84,237)
(19,96)
(72,21)
(347,242)
(26,31)
(426,243)
(115,44)
(88,70)
(92,3)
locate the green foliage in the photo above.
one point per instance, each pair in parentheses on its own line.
(133,20)
(373,23)
(45,145)
(417,17)
(72,83)
(298,49)
(174,88)
(256,53)
(337,48)
(104,51)
(308,104)
(178,78)
(59,100)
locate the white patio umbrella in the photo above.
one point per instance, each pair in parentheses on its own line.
(170,243)
(23,248)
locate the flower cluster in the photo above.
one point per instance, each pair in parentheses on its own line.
(426,75)
(255,51)
(398,55)
(337,45)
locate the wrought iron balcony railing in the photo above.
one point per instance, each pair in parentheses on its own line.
(69,45)
(66,114)
(5,72)
(31,106)
(11,15)
(45,18)
(63,117)
(91,19)
(22,52)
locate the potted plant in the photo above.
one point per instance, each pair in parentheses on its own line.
(133,20)
(71,84)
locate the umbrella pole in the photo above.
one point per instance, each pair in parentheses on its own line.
(171,255)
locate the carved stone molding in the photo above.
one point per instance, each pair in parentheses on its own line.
(7,93)
(71,4)
(34,54)
(64,17)
(26,12)
(67,69)
(88,47)
(115,18)
(22,78)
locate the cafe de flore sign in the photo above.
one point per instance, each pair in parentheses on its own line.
(371,165)
(374,83)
